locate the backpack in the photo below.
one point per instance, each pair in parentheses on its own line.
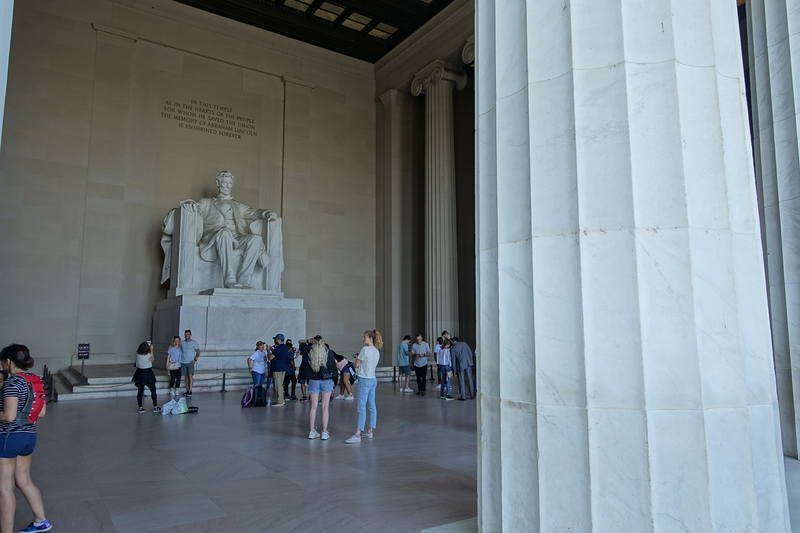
(35,402)
(182,407)
(259,397)
(247,398)
(167,408)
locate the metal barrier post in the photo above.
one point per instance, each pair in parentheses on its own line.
(394,374)
(224,375)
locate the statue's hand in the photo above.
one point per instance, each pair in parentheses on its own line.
(269,215)
(191,205)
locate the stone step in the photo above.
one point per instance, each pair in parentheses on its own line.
(129,392)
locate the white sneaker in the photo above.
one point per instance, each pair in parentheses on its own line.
(350,398)
(339,397)
(355,439)
(368,434)
(325,435)
(409,390)
(313,435)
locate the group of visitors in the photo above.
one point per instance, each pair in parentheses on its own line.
(319,366)
(452,356)
(182,356)
(324,367)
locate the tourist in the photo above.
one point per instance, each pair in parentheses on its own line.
(320,387)
(279,364)
(257,363)
(445,335)
(190,353)
(346,377)
(462,358)
(366,361)
(443,365)
(403,364)
(19,441)
(291,374)
(421,351)
(304,374)
(174,366)
(144,376)
(436,349)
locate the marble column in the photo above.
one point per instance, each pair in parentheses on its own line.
(399,283)
(626,378)
(775,98)
(6,18)
(437,81)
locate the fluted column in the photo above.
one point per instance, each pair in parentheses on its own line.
(620,271)
(775,90)
(437,81)
(6,17)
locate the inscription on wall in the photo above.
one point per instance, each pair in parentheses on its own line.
(210,118)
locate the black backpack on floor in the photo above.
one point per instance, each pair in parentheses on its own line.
(259,397)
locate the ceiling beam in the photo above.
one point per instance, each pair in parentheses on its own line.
(393,13)
(295,25)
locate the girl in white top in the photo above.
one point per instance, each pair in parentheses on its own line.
(366,362)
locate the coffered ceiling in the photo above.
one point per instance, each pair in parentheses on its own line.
(365,29)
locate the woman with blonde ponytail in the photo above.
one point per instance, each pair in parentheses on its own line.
(366,362)
(320,386)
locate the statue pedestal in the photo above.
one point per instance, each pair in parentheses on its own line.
(227,323)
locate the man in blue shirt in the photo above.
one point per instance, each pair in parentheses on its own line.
(403,352)
(190,352)
(280,362)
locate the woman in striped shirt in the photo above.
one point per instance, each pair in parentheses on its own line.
(17,442)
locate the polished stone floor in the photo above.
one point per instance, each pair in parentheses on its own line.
(104,468)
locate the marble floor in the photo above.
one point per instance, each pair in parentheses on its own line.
(104,468)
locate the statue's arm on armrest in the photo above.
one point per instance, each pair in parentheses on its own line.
(167,229)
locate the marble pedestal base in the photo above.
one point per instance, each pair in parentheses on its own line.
(227,323)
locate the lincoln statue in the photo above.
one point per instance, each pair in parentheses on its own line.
(233,235)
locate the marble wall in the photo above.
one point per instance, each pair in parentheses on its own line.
(94,156)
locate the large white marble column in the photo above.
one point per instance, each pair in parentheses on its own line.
(6,18)
(626,378)
(437,81)
(775,91)
(398,195)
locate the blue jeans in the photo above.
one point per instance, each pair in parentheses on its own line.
(447,387)
(258,379)
(366,398)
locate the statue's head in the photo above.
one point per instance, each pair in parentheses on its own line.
(224,183)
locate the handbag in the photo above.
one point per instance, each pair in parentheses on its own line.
(171,365)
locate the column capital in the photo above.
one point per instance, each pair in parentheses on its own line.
(468,52)
(435,72)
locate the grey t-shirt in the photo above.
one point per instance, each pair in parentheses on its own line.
(418,349)
(188,352)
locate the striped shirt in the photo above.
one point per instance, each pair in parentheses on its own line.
(16,386)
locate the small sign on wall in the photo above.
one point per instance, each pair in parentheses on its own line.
(83,351)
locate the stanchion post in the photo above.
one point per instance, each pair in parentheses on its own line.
(224,375)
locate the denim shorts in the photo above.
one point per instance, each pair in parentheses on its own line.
(187,369)
(316,386)
(405,370)
(17,443)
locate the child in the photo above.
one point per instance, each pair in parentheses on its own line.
(444,365)
(346,378)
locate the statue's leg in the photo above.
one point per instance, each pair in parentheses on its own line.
(224,243)
(252,247)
